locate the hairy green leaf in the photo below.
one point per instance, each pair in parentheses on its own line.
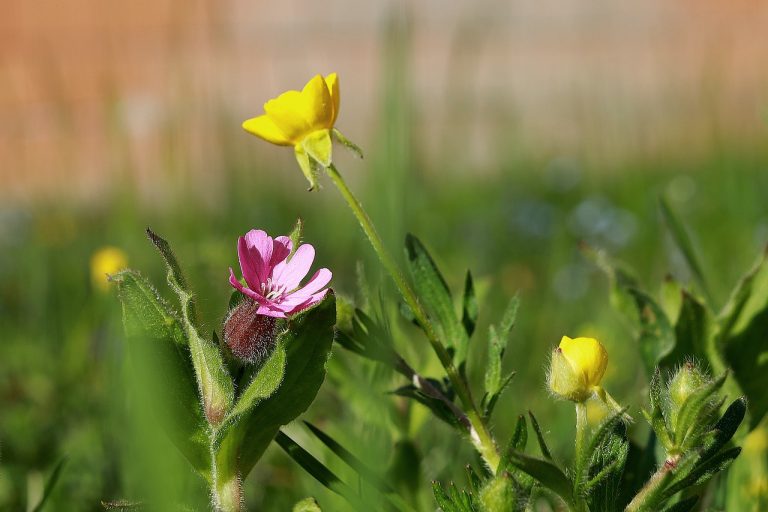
(214,382)
(433,291)
(161,360)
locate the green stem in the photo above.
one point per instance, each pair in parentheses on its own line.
(582,439)
(479,434)
(582,431)
(647,499)
(227,486)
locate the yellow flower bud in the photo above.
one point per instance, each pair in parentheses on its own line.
(303,120)
(577,367)
(106,261)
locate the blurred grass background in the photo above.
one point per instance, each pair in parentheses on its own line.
(501,134)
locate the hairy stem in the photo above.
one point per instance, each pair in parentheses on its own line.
(647,498)
(479,434)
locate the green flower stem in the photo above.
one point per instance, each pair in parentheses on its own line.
(479,434)
(646,500)
(582,430)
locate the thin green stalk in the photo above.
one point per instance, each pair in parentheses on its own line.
(479,434)
(582,440)
(582,430)
(648,497)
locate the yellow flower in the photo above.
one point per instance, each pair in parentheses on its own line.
(577,368)
(106,261)
(303,120)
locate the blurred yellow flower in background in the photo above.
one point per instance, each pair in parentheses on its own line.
(106,261)
(303,120)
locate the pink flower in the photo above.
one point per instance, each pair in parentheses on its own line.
(273,278)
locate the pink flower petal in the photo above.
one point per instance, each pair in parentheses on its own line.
(281,249)
(246,291)
(321,278)
(248,265)
(260,247)
(290,273)
(264,310)
(311,301)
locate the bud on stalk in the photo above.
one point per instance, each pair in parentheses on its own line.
(249,336)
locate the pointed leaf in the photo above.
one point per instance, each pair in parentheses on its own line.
(50,484)
(265,382)
(470,308)
(546,472)
(317,469)
(159,355)
(684,243)
(540,437)
(368,474)
(657,338)
(214,382)
(433,291)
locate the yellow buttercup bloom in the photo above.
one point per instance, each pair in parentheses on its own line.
(303,120)
(577,368)
(106,261)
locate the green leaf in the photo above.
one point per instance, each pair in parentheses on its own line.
(546,472)
(601,435)
(307,505)
(683,242)
(701,473)
(214,382)
(746,353)
(540,437)
(50,484)
(740,296)
(317,469)
(265,382)
(368,474)
(516,443)
(489,401)
(691,409)
(493,367)
(726,427)
(307,340)
(433,291)
(509,319)
(657,338)
(692,330)
(160,358)
(295,235)
(470,309)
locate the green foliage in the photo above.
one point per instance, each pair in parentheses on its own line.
(50,485)
(497,345)
(213,379)
(733,337)
(163,366)
(432,289)
(307,338)
(307,505)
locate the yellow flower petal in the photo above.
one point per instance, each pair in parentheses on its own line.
(587,357)
(332,82)
(287,111)
(265,128)
(318,145)
(318,106)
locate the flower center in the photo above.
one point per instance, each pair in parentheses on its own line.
(272,291)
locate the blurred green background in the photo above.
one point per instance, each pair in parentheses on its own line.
(504,191)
